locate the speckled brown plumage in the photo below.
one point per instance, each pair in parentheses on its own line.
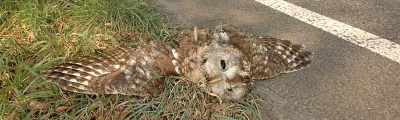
(223,61)
(130,71)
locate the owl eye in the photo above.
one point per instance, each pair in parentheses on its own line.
(223,64)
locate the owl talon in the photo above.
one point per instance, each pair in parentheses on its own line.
(215,95)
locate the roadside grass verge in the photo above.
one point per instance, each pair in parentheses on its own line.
(35,34)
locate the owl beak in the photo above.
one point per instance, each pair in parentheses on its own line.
(214,80)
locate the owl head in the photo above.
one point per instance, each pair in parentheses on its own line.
(222,70)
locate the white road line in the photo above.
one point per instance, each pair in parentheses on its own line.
(349,33)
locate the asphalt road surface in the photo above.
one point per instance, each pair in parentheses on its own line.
(345,81)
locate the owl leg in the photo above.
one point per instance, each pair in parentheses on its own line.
(215,95)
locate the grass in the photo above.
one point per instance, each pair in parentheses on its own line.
(35,34)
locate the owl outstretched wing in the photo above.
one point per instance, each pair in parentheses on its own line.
(281,57)
(268,56)
(128,70)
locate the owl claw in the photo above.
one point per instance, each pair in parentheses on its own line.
(215,95)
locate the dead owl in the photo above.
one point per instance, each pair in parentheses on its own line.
(223,61)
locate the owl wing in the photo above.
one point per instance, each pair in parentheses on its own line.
(281,56)
(268,56)
(130,71)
